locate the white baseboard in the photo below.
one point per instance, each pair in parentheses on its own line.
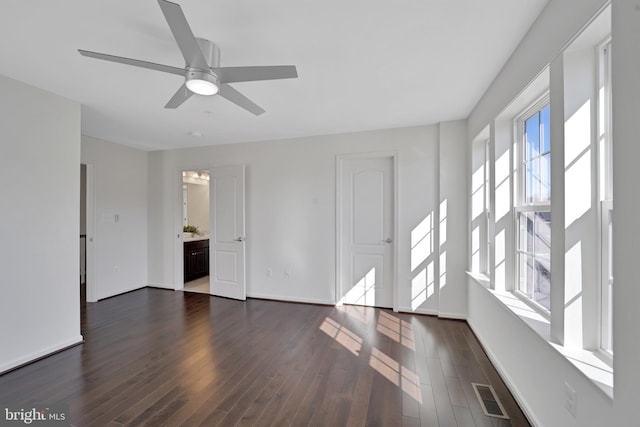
(155,285)
(428,312)
(456,316)
(507,381)
(124,291)
(289,299)
(32,357)
(418,311)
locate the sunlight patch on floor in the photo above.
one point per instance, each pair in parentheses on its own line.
(342,335)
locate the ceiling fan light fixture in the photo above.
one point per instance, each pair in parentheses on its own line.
(202,83)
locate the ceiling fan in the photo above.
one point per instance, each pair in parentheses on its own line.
(202,72)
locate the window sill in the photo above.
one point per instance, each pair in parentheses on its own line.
(586,361)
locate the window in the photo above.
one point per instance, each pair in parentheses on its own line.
(578,323)
(605,196)
(533,210)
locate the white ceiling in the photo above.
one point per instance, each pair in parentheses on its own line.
(362,64)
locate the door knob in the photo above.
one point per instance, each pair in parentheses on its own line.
(388,240)
(240,239)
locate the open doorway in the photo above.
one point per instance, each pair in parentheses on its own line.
(87,224)
(219,245)
(83,233)
(195,230)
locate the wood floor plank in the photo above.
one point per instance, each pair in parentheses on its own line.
(456,394)
(463,416)
(410,421)
(162,358)
(444,409)
(428,412)
(360,404)
(257,407)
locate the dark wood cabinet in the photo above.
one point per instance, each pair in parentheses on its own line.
(196,259)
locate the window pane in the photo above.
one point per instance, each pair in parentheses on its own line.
(542,286)
(532,137)
(545,178)
(528,183)
(545,118)
(542,237)
(534,256)
(526,274)
(535,179)
(526,233)
(532,181)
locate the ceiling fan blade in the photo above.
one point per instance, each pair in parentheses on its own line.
(179,97)
(248,74)
(230,94)
(134,62)
(184,36)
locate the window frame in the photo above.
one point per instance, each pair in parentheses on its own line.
(521,206)
(605,199)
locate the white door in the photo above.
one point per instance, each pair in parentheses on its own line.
(227,238)
(366,231)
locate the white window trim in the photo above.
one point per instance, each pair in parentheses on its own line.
(485,266)
(605,193)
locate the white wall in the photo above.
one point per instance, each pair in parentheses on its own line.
(626,233)
(453,217)
(120,188)
(291,222)
(580,214)
(535,371)
(39,223)
(161,234)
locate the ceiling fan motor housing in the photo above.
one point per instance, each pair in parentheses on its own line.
(210,51)
(204,82)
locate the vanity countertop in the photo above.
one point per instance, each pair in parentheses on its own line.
(195,238)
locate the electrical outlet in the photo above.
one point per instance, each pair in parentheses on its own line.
(570,399)
(287,274)
(116,268)
(269,272)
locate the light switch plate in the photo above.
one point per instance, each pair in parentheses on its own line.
(570,399)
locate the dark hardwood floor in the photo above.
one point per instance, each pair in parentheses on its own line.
(163,358)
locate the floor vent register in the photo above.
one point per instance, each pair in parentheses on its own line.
(490,403)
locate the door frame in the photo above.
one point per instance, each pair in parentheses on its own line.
(178,273)
(340,159)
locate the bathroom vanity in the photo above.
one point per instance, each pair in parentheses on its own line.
(196,258)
